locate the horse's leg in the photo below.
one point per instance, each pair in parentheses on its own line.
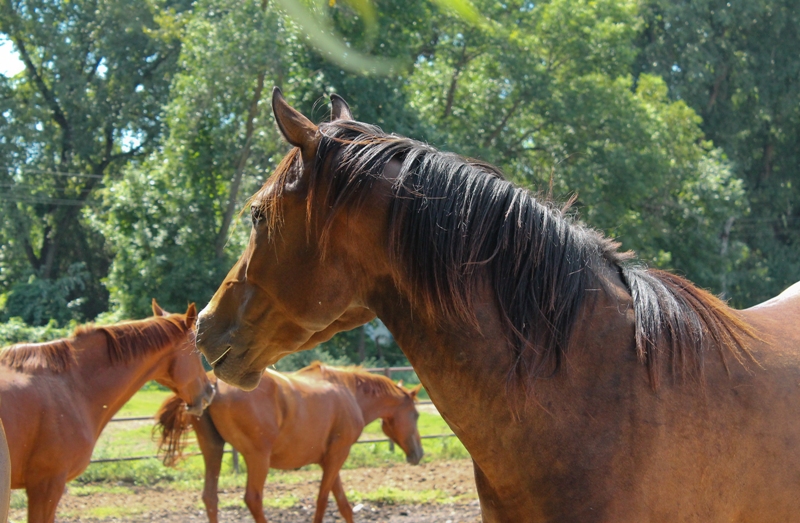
(43,497)
(331,465)
(211,445)
(341,500)
(257,470)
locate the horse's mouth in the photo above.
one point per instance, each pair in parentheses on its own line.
(197,409)
(231,368)
(221,357)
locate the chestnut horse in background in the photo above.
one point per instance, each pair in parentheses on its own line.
(58,396)
(310,416)
(586,387)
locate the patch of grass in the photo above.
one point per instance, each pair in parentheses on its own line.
(146,473)
(90,490)
(144,403)
(443,449)
(426,424)
(115,511)
(19,500)
(393,495)
(379,454)
(282,502)
(231,503)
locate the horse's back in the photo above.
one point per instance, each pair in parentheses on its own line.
(777,325)
(37,410)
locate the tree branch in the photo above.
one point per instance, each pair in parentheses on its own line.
(227,218)
(58,113)
(451,92)
(493,136)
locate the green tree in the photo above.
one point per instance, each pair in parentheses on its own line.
(553,97)
(736,64)
(89,100)
(171,220)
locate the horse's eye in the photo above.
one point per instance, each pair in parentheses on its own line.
(256,213)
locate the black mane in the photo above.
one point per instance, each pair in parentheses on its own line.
(456,223)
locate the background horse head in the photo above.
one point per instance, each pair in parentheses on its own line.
(185,374)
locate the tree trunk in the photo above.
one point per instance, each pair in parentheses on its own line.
(222,235)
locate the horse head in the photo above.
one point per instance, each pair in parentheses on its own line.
(288,291)
(401,426)
(185,374)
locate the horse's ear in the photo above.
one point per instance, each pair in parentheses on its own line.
(296,128)
(191,316)
(400,383)
(413,392)
(339,109)
(158,311)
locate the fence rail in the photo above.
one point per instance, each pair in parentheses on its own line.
(386,371)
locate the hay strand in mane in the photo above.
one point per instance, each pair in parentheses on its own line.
(677,323)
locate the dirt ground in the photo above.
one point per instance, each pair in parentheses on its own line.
(451,480)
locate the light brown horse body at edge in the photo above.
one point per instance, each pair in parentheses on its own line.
(585,387)
(5,476)
(58,396)
(291,420)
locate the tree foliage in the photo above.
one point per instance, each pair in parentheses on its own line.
(88,102)
(736,65)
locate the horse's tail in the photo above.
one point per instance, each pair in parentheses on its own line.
(174,423)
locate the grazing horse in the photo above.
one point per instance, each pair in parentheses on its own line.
(313,415)
(58,396)
(586,387)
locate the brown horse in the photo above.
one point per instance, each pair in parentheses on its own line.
(58,396)
(5,476)
(313,415)
(586,387)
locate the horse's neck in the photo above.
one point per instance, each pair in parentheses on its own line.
(470,376)
(375,405)
(108,386)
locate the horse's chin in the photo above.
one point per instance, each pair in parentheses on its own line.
(245,379)
(194,410)
(413,459)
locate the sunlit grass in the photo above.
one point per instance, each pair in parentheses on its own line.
(394,495)
(19,499)
(90,490)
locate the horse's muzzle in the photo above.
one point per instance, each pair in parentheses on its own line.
(197,409)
